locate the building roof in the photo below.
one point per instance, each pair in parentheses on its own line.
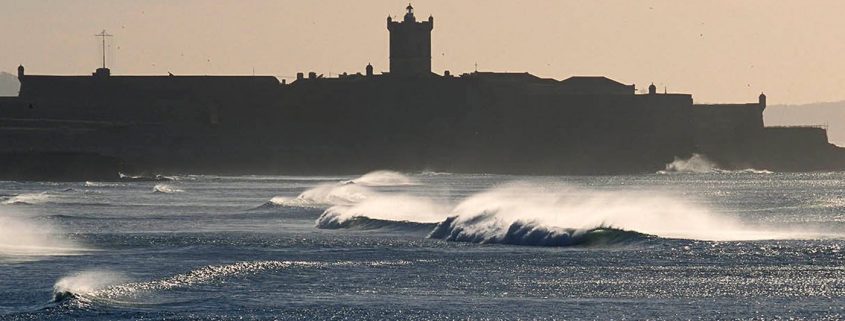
(508,76)
(596,85)
(592,81)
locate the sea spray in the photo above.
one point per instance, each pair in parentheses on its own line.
(325,195)
(385,207)
(83,285)
(382,178)
(553,214)
(399,207)
(698,163)
(109,287)
(21,237)
(491,214)
(343,193)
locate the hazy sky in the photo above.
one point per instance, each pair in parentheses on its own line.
(720,51)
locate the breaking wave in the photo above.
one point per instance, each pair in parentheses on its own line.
(324,195)
(366,223)
(28,199)
(166,189)
(105,286)
(108,287)
(525,233)
(394,207)
(698,163)
(382,178)
(345,193)
(551,215)
(145,178)
(435,173)
(100,184)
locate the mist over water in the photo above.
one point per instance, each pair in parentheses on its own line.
(23,238)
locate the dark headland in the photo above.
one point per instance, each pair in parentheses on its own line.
(408,119)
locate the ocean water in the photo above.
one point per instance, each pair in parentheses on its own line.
(426,246)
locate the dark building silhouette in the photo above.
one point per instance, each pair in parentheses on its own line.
(410,45)
(87,127)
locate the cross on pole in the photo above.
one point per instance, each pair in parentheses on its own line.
(103,35)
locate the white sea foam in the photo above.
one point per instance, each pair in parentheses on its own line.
(166,189)
(100,184)
(28,199)
(435,173)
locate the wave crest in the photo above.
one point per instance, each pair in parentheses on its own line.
(344,193)
(81,285)
(100,184)
(698,163)
(109,287)
(166,189)
(331,222)
(144,178)
(553,214)
(382,178)
(533,234)
(324,195)
(28,199)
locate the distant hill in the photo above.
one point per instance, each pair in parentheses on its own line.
(830,114)
(9,84)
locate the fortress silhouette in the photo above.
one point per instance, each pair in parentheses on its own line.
(410,119)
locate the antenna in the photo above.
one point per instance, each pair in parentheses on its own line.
(103,35)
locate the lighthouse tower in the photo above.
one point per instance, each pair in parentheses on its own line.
(410,45)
